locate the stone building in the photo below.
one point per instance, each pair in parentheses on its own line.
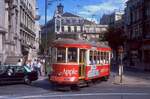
(137,28)
(17,34)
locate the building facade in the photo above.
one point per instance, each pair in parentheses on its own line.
(18,29)
(137,28)
(115,19)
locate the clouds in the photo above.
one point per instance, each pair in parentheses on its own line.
(104,7)
(85,8)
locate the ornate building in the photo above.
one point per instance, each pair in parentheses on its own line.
(17,34)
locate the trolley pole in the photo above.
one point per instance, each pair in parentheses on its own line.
(46,4)
(120,51)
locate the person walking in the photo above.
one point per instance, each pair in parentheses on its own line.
(34,64)
(19,62)
(39,67)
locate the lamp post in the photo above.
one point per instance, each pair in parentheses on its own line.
(120,51)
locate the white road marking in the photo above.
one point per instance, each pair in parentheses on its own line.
(74,95)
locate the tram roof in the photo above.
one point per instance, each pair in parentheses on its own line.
(72,43)
(102,46)
(78,43)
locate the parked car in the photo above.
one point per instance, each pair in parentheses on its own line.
(15,73)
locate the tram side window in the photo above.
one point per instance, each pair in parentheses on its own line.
(72,54)
(96,57)
(91,58)
(61,55)
(102,58)
(107,57)
(99,57)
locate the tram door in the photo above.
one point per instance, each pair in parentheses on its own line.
(82,57)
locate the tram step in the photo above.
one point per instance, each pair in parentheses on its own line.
(82,83)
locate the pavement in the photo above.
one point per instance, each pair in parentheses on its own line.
(132,77)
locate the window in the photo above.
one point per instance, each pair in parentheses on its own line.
(61,55)
(69,29)
(91,58)
(98,57)
(72,54)
(94,57)
(107,57)
(62,28)
(3,69)
(102,58)
(75,29)
(19,69)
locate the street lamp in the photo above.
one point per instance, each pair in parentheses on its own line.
(120,51)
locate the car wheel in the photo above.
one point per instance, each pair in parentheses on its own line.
(27,80)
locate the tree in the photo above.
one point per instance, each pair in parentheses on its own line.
(115,37)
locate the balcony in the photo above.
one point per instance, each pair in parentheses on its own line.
(8,1)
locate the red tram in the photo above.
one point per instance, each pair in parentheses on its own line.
(76,61)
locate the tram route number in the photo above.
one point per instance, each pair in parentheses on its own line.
(70,72)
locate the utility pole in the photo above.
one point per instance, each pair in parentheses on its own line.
(46,24)
(120,51)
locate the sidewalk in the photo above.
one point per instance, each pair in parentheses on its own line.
(133,78)
(42,78)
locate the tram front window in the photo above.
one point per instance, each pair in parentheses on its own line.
(72,54)
(61,55)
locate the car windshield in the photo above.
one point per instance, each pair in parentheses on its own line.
(3,69)
(28,69)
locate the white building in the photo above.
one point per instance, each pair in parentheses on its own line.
(68,25)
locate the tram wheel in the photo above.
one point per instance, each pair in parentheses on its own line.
(89,83)
(105,78)
(75,87)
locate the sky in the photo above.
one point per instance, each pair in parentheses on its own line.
(89,9)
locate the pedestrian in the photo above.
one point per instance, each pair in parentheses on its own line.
(34,64)
(19,62)
(28,64)
(39,67)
